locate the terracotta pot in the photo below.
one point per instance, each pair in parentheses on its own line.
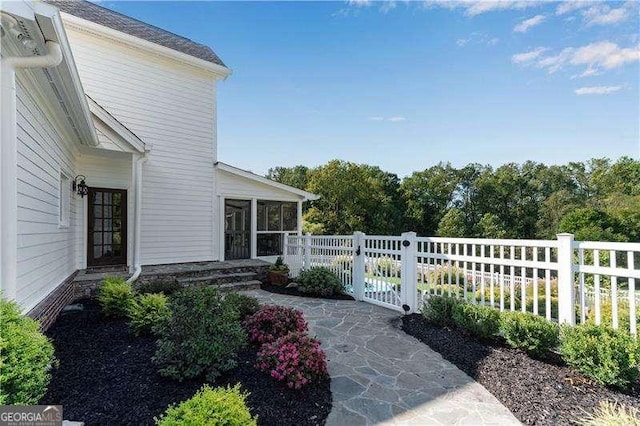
(278,277)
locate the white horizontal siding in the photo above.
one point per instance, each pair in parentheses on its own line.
(46,251)
(170,106)
(233,186)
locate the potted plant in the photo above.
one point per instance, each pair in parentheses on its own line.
(278,272)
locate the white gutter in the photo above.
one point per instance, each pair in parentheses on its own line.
(137,218)
(8,161)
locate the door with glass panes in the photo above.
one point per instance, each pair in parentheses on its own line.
(107,227)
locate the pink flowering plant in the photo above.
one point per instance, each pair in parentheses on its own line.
(295,359)
(273,322)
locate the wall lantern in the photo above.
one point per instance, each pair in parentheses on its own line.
(80,187)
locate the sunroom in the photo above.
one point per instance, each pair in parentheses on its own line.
(256,213)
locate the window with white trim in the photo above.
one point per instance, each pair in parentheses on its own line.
(274,219)
(64,200)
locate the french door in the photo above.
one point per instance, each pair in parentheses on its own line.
(107,227)
(237,229)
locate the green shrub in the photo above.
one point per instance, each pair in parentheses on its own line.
(385,266)
(611,414)
(243,304)
(202,335)
(343,262)
(26,356)
(606,315)
(442,274)
(320,281)
(439,309)
(210,407)
(478,320)
(115,296)
(608,356)
(148,312)
(279,266)
(166,287)
(529,332)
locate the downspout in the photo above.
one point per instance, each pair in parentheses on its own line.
(137,219)
(9,155)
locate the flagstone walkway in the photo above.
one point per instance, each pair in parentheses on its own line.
(380,375)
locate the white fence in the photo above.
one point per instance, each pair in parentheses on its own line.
(563,280)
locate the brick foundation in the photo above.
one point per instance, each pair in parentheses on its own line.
(48,309)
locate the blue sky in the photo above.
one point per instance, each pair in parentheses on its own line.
(405,85)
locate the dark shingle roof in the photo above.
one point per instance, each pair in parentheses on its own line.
(117,21)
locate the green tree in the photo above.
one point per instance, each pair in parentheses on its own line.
(452,224)
(427,195)
(354,197)
(297,176)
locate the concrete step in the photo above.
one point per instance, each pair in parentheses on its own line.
(240,286)
(218,279)
(202,269)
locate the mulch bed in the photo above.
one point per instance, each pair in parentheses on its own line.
(106,377)
(293,291)
(537,392)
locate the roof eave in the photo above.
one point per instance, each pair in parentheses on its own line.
(306,196)
(80,24)
(44,24)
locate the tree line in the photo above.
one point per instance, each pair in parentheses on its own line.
(596,200)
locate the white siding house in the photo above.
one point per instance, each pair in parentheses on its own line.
(109,153)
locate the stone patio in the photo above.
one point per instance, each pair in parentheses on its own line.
(380,375)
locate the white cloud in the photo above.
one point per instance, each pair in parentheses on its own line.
(359,3)
(603,14)
(477,37)
(570,6)
(476,7)
(392,119)
(597,90)
(521,58)
(387,6)
(595,56)
(525,25)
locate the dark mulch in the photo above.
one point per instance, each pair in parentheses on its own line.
(293,291)
(106,377)
(538,392)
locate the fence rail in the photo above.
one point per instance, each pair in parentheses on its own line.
(563,280)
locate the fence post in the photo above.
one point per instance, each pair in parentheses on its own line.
(566,291)
(408,290)
(307,251)
(358,277)
(285,248)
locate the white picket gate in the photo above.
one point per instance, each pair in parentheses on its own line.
(563,280)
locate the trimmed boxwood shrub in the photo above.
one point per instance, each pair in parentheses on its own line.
(202,336)
(609,357)
(295,359)
(272,322)
(245,305)
(210,407)
(531,333)
(148,311)
(115,297)
(319,281)
(479,320)
(26,356)
(439,310)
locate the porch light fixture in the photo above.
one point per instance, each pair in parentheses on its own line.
(81,187)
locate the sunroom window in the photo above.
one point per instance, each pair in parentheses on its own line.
(274,219)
